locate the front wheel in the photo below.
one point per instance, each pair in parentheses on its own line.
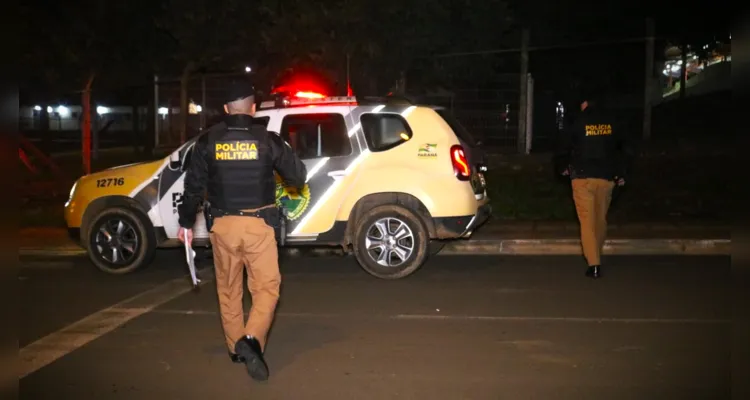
(120,241)
(390,242)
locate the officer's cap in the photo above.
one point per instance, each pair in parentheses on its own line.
(239,89)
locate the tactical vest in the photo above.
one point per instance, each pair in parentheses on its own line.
(594,153)
(240,168)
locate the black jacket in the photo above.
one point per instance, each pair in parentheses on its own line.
(235,166)
(595,145)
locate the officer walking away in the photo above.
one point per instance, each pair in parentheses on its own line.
(235,165)
(595,153)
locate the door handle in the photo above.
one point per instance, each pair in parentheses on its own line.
(337,174)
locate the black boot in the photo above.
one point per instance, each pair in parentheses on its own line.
(249,349)
(236,358)
(593,272)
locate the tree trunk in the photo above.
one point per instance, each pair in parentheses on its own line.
(86,126)
(184,81)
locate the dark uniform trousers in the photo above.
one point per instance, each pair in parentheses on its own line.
(592,197)
(245,243)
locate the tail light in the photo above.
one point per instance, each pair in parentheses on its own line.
(460,164)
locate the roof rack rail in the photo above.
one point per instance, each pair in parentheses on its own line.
(388,100)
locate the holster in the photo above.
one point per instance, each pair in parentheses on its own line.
(275,217)
(209,216)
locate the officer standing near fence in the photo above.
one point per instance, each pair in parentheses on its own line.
(595,153)
(235,164)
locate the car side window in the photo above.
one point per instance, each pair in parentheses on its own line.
(261,121)
(316,135)
(384,131)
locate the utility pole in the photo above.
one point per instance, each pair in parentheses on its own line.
(156,111)
(524,92)
(649,79)
(203,101)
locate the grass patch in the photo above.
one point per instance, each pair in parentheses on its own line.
(71,164)
(529,195)
(696,187)
(42,207)
(43,214)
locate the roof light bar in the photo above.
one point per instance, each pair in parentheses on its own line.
(307,101)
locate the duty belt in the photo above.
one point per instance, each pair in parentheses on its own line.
(222,213)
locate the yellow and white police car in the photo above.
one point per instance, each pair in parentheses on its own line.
(388,181)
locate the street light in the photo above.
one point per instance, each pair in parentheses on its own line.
(248,69)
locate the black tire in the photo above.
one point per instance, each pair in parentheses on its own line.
(419,242)
(137,242)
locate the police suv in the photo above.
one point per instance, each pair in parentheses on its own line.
(388,181)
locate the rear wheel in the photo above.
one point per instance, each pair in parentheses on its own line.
(120,241)
(390,242)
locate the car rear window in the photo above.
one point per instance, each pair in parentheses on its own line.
(456,126)
(384,131)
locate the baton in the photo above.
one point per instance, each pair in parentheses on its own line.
(190,256)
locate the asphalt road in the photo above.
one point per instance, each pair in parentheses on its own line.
(461,328)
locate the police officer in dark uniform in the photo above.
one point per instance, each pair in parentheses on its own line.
(595,153)
(234,163)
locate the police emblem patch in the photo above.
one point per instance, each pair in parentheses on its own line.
(294,201)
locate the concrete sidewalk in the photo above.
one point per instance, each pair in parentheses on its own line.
(496,237)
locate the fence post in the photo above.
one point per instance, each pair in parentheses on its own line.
(529,112)
(649,83)
(521,142)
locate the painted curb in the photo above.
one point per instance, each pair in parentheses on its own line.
(573,247)
(501,247)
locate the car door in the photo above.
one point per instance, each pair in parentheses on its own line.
(321,138)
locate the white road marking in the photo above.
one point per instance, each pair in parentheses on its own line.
(491,318)
(72,337)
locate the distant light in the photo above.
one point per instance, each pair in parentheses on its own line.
(37,108)
(62,110)
(163,110)
(49,109)
(198,108)
(102,110)
(248,69)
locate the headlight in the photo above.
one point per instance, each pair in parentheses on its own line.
(70,196)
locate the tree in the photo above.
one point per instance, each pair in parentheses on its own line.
(204,35)
(76,44)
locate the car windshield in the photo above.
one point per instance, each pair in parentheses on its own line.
(459,129)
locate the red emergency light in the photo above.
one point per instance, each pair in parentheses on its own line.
(309,95)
